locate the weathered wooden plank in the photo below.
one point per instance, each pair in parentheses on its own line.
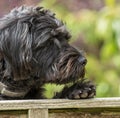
(85,113)
(38,113)
(60,103)
(13,116)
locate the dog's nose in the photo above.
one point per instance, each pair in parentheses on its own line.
(82,60)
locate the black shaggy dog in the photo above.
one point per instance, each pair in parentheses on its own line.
(34,50)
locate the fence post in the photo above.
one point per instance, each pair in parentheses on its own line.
(38,113)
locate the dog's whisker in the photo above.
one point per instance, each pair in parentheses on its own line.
(34,50)
(35,60)
(57,43)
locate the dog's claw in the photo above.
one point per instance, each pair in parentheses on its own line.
(77,97)
(83,92)
(34,52)
(84,95)
(91,95)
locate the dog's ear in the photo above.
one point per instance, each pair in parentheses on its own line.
(15,45)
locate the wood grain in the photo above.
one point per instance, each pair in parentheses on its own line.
(38,113)
(61,108)
(83,115)
(13,116)
(60,103)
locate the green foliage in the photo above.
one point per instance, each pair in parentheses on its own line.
(105,69)
(52,89)
(101,31)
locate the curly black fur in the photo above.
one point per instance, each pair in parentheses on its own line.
(34,50)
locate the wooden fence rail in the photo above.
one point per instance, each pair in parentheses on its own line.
(61,108)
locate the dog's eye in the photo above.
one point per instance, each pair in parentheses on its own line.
(64,37)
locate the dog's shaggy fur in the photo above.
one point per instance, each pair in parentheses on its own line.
(34,50)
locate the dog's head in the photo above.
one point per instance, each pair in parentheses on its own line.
(33,43)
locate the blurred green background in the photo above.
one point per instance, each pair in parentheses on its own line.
(95,28)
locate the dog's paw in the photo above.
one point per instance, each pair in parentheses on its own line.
(83,91)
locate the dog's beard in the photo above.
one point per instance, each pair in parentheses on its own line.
(35,51)
(66,68)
